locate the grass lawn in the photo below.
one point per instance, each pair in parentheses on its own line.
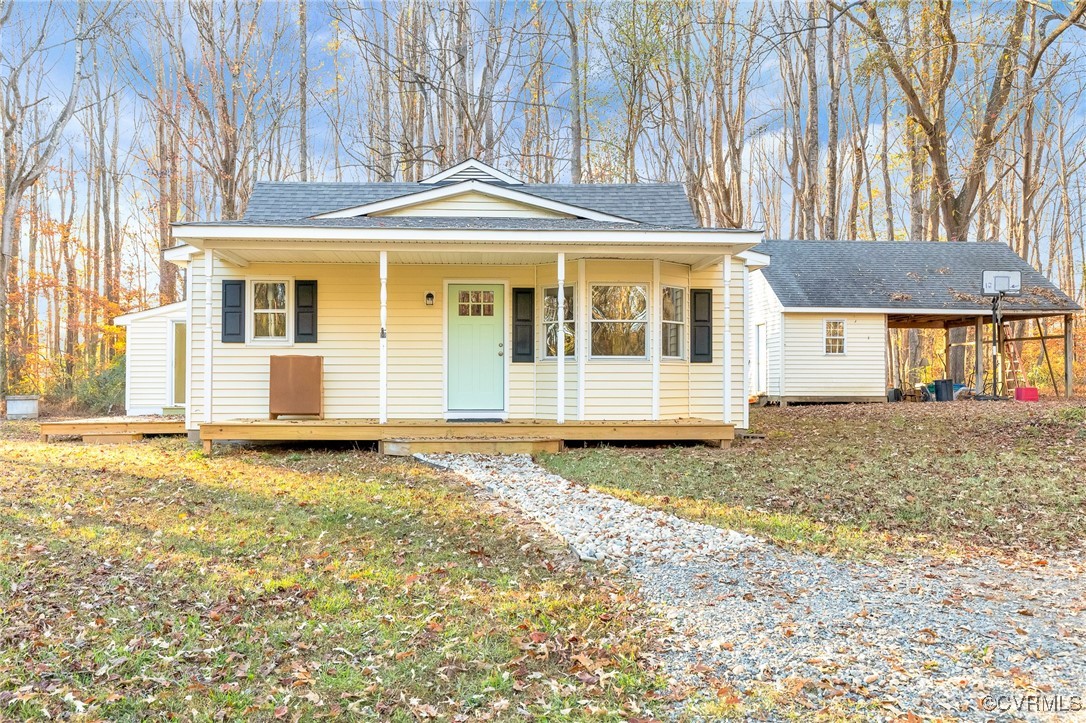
(874,479)
(148,581)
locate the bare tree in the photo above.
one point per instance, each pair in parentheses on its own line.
(27,155)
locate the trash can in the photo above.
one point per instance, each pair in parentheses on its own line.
(944,390)
(894,395)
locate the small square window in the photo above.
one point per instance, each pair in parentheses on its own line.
(834,336)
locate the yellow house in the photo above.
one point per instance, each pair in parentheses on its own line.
(436,311)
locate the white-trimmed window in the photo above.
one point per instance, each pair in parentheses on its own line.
(673,322)
(833,336)
(270,310)
(550,323)
(620,320)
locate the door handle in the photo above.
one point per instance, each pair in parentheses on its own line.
(501,353)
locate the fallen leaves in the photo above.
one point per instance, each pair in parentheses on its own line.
(257,585)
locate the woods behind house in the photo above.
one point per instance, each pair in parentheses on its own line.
(923,121)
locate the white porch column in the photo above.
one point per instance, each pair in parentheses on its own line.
(656,311)
(580,333)
(209,331)
(747,332)
(382,395)
(560,372)
(726,357)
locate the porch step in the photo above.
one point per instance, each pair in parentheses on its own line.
(111,438)
(468,445)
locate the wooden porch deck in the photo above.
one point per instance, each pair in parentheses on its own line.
(107,430)
(432,435)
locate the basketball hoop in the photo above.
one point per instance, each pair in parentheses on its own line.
(1001,283)
(997,284)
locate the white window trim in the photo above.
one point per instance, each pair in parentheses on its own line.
(250,311)
(843,337)
(681,324)
(543,323)
(647,356)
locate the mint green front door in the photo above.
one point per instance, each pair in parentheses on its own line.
(476,366)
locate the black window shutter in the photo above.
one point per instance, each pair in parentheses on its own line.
(305,312)
(701,325)
(523,325)
(233,311)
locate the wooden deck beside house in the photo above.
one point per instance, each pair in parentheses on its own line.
(427,435)
(107,430)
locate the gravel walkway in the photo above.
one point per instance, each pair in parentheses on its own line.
(928,638)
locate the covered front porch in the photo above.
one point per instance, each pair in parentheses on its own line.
(421,333)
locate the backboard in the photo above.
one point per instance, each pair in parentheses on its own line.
(1005,283)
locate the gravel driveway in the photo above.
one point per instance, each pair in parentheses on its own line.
(934,639)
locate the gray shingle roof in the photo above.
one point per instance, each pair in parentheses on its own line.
(432,223)
(900,275)
(662,204)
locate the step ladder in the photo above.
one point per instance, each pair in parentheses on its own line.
(1012,365)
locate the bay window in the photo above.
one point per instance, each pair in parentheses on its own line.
(620,315)
(673,322)
(550,323)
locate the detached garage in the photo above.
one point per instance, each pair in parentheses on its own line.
(155,356)
(821,311)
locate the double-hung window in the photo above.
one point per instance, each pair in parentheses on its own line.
(550,323)
(620,317)
(673,322)
(834,336)
(270,310)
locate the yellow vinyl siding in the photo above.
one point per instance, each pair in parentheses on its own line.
(706,380)
(810,372)
(348,312)
(475,205)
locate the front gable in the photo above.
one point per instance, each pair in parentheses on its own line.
(474,198)
(473,203)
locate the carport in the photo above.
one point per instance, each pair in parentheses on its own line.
(982,324)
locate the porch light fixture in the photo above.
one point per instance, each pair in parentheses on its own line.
(429,298)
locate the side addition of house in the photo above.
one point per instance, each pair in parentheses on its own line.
(821,311)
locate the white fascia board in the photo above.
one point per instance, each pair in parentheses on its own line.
(476,165)
(288,236)
(458,189)
(180,255)
(754,260)
(126,319)
(864,310)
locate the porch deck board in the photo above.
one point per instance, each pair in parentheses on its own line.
(370,430)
